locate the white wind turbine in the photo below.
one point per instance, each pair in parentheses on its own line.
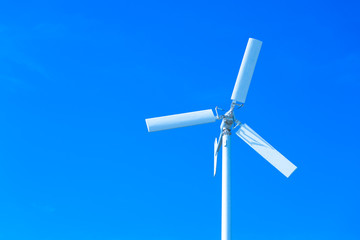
(228,123)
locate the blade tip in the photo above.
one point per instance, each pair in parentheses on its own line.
(290,173)
(147,125)
(256,40)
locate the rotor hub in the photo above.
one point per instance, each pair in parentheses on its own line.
(228,120)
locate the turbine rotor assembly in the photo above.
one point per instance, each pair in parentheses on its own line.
(228,123)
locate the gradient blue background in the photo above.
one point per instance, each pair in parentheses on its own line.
(77,80)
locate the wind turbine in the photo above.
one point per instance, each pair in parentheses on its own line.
(228,123)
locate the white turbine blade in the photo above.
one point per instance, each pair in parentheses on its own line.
(180,120)
(215,155)
(217,145)
(266,150)
(246,70)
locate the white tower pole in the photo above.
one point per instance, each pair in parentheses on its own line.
(225,194)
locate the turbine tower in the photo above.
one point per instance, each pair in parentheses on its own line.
(229,122)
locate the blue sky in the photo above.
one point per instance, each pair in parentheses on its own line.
(77,80)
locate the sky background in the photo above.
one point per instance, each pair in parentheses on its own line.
(78,79)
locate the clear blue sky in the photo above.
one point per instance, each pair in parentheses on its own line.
(77,80)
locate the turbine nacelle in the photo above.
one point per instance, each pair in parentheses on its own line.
(228,120)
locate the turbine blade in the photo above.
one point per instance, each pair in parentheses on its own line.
(266,150)
(215,156)
(217,145)
(180,120)
(246,70)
